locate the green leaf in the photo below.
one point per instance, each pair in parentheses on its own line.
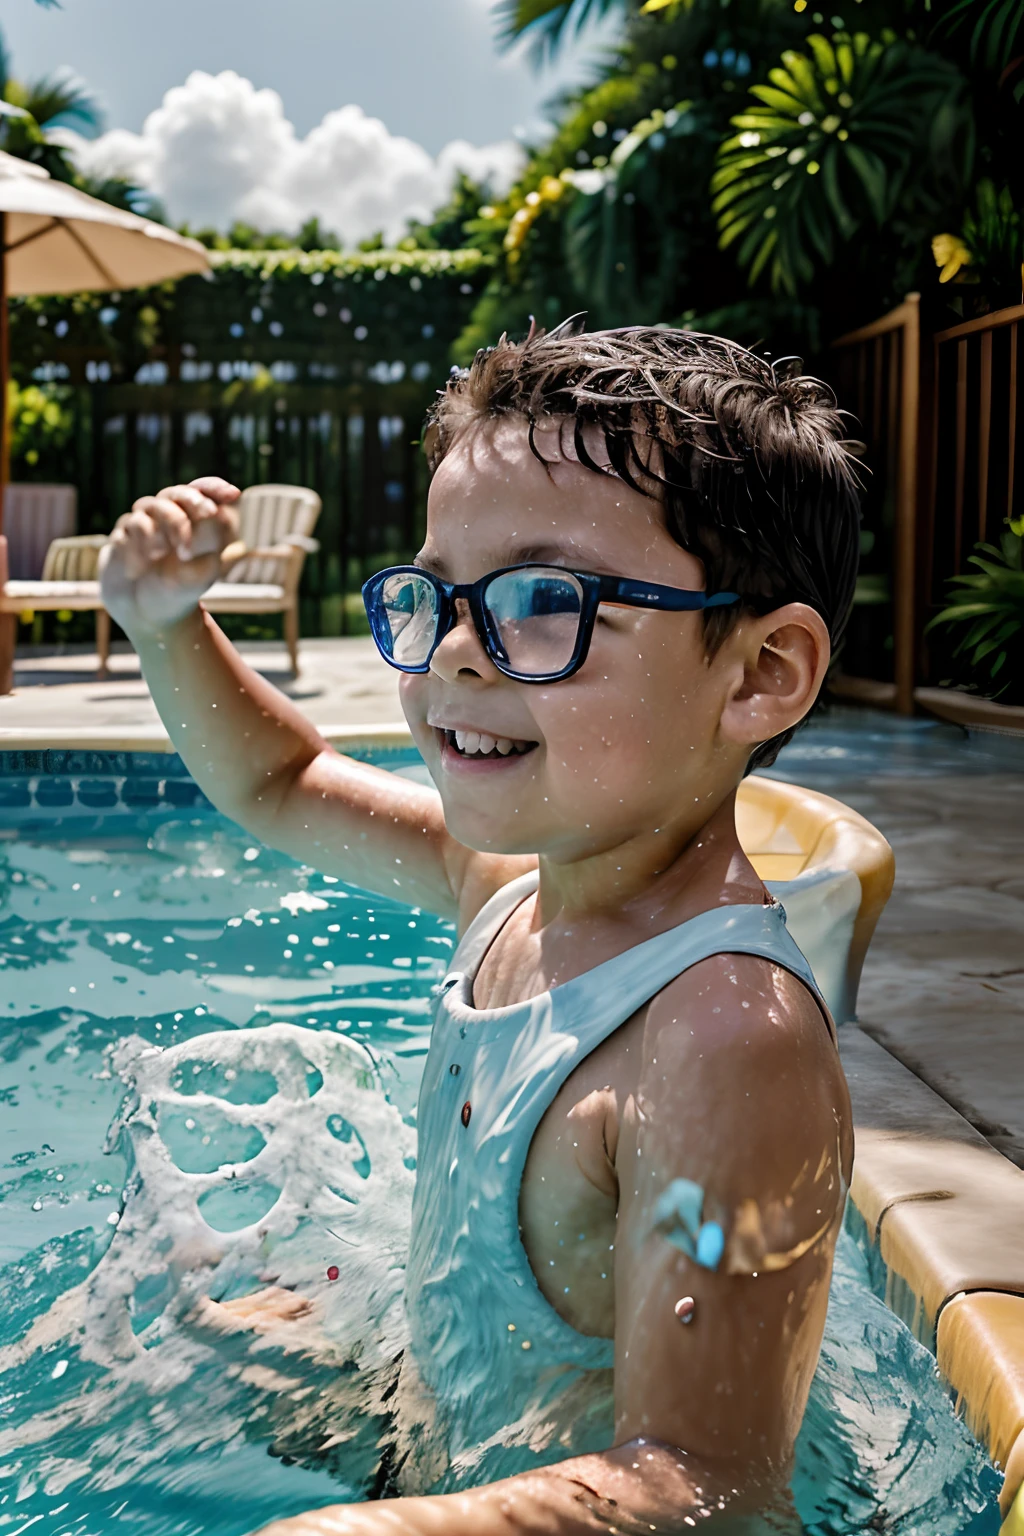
(894,92)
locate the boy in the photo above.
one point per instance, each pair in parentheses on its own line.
(634,1133)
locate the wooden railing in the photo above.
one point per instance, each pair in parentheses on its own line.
(976,481)
(942,420)
(878,378)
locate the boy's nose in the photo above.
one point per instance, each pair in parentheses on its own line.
(461,652)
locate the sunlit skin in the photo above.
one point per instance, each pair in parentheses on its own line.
(626,802)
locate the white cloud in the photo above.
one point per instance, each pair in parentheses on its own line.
(218,149)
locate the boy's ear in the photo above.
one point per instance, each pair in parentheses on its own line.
(784,656)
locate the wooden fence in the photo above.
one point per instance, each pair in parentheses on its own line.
(878,376)
(975,482)
(310,367)
(358,448)
(941,417)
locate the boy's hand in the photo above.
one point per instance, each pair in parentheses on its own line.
(165,552)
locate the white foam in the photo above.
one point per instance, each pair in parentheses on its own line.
(330,1172)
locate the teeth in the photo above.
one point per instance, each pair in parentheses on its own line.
(479,743)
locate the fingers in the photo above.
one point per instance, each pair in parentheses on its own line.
(140,538)
(218,490)
(210,524)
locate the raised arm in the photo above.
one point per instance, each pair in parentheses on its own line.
(251,751)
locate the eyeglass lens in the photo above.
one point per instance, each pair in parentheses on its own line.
(537,617)
(534,613)
(409,605)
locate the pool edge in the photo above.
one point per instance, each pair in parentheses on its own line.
(155,739)
(938,1202)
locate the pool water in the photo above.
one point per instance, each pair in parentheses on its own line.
(150,1156)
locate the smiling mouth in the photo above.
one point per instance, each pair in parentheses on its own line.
(479,746)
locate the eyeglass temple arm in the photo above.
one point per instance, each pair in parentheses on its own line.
(645,594)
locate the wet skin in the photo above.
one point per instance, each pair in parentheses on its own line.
(624,796)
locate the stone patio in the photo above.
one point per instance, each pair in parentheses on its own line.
(342,682)
(943,989)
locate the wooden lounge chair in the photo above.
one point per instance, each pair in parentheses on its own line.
(275,523)
(69,581)
(35,515)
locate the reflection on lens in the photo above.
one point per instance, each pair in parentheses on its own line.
(409,603)
(537,616)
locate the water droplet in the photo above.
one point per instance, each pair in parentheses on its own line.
(467,1110)
(454,1069)
(333,1272)
(685,1308)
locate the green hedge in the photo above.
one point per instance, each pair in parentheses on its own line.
(334,315)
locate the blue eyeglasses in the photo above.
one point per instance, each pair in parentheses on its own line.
(534,621)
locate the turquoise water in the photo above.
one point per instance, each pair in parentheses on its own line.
(133,917)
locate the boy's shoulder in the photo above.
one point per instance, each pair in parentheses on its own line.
(741,1091)
(748,1036)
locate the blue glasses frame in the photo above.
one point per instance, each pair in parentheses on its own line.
(621,590)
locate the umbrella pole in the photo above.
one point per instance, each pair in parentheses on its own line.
(8,621)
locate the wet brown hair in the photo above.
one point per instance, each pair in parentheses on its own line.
(749,458)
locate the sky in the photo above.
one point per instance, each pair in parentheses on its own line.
(271,110)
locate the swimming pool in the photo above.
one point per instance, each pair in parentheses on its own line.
(139,932)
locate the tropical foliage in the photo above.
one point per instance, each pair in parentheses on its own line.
(985,614)
(41,426)
(767,169)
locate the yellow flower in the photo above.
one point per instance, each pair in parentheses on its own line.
(950,254)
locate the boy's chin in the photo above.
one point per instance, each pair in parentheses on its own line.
(491,832)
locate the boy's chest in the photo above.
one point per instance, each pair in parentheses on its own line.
(568,1199)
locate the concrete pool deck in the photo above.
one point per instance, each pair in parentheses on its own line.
(942,993)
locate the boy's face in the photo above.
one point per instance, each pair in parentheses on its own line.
(628,744)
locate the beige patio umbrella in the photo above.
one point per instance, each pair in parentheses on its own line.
(55,239)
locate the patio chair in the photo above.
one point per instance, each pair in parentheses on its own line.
(69,581)
(275,523)
(35,515)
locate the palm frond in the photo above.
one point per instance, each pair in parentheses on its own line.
(826,148)
(993,29)
(547,24)
(61,99)
(985,608)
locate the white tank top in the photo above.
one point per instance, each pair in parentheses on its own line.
(502,1365)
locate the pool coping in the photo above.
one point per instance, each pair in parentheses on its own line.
(153,738)
(935,1199)
(937,1203)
